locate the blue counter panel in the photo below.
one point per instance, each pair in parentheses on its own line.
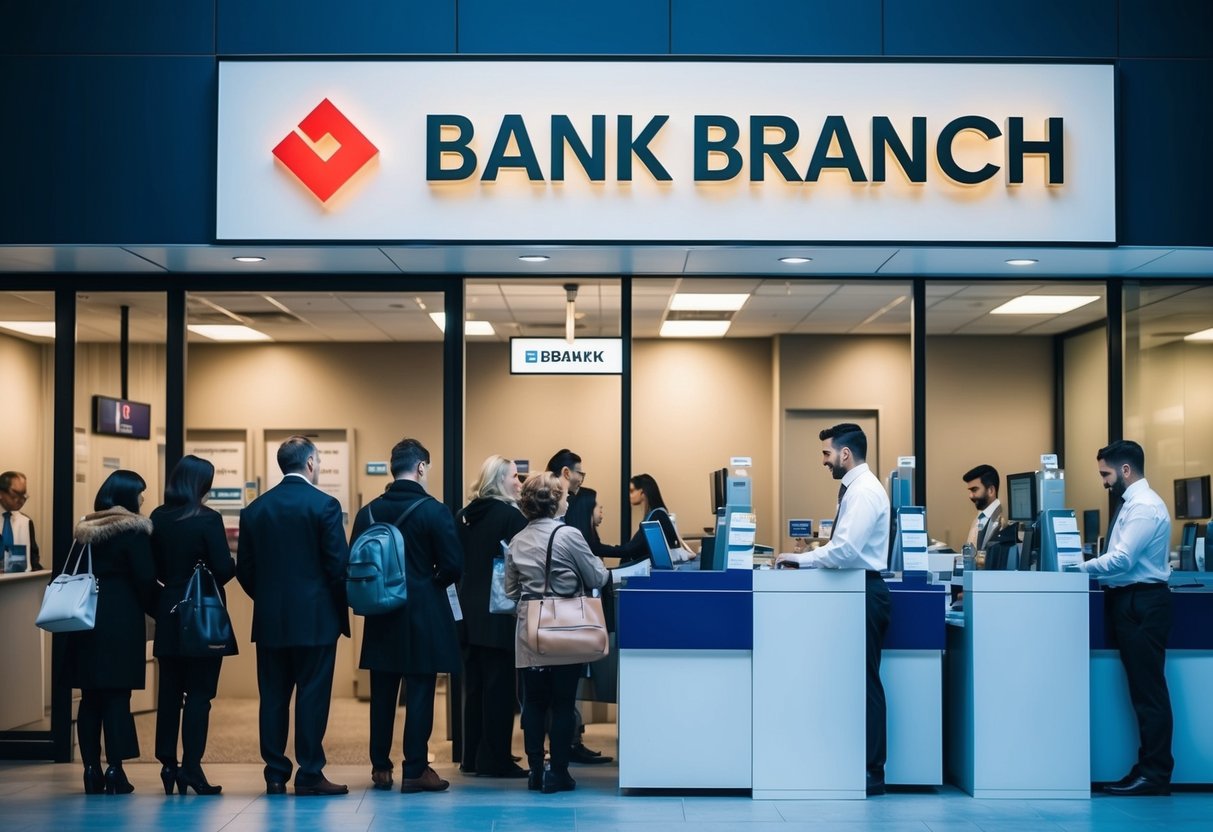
(735,580)
(917,618)
(660,619)
(1191,624)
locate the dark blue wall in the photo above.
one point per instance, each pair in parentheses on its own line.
(109,130)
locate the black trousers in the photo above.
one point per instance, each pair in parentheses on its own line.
(108,710)
(879,609)
(489,696)
(308,673)
(183,703)
(1139,617)
(418,719)
(549,690)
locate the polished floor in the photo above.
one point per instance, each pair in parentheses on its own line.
(44,796)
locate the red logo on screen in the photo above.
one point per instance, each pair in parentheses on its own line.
(324,175)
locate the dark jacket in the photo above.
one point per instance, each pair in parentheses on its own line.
(291,561)
(420,636)
(177,545)
(113,654)
(483,524)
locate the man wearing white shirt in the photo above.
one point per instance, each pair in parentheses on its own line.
(983,483)
(1137,607)
(860,541)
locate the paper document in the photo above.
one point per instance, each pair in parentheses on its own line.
(914,540)
(636,570)
(912,521)
(1068,541)
(1065,524)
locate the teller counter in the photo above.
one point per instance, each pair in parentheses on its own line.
(21,648)
(1189,670)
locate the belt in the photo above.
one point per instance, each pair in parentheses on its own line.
(1141,587)
(871,573)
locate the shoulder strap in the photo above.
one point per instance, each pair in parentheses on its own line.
(405,514)
(547,567)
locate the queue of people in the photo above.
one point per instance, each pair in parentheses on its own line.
(291,560)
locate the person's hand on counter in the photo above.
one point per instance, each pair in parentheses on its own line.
(787,560)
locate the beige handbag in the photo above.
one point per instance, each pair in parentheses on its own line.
(563,630)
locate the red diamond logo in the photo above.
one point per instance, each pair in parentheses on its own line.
(324,175)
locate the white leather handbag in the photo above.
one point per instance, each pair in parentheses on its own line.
(69,603)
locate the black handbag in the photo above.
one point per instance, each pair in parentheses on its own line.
(203,625)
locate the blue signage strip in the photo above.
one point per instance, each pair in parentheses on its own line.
(800,528)
(225,494)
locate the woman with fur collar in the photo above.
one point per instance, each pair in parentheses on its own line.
(107,662)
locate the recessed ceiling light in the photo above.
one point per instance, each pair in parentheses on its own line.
(1203,335)
(795,261)
(228,332)
(40,329)
(469,327)
(1043,304)
(248,259)
(534,258)
(684,301)
(694,329)
(1022,261)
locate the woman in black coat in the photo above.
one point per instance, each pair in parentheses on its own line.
(186,533)
(490,519)
(107,662)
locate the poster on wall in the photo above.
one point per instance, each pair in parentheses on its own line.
(227,490)
(334,470)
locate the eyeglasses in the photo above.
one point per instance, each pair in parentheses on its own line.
(18,495)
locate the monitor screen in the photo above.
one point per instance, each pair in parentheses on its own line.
(1192,498)
(120,417)
(719,479)
(659,549)
(1021,497)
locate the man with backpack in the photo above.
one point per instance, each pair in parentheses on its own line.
(414,642)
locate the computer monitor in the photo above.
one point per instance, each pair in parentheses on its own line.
(1090,525)
(1187,548)
(1021,497)
(719,482)
(1192,498)
(659,548)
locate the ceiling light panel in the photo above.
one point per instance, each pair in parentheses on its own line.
(228,332)
(39,329)
(694,329)
(684,301)
(1043,304)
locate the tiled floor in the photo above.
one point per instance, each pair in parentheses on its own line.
(43,796)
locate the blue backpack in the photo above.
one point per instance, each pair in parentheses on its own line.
(374,577)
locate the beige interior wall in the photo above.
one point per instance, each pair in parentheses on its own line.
(829,372)
(98,372)
(378,392)
(532,417)
(695,404)
(25,442)
(1086,421)
(989,401)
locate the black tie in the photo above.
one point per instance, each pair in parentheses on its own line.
(1112,524)
(842,489)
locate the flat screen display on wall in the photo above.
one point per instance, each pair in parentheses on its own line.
(1192,498)
(120,417)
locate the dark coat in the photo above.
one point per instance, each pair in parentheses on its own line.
(419,637)
(483,524)
(113,654)
(291,561)
(177,545)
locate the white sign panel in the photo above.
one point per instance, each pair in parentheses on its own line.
(556,356)
(227,490)
(334,470)
(666,151)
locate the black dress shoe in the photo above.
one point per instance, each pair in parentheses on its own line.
(320,787)
(875,785)
(381,778)
(1127,779)
(580,754)
(195,780)
(94,781)
(514,771)
(554,782)
(534,780)
(275,787)
(116,782)
(1139,787)
(168,776)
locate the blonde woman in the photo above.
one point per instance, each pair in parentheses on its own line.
(489,519)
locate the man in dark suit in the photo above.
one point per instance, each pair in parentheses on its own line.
(291,561)
(416,642)
(982,483)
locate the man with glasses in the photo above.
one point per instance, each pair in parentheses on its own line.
(20,546)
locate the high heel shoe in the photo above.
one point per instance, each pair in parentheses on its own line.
(116,782)
(195,781)
(168,776)
(94,783)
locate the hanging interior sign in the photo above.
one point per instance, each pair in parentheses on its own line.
(556,356)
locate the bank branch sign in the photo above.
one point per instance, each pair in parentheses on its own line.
(639,151)
(556,356)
